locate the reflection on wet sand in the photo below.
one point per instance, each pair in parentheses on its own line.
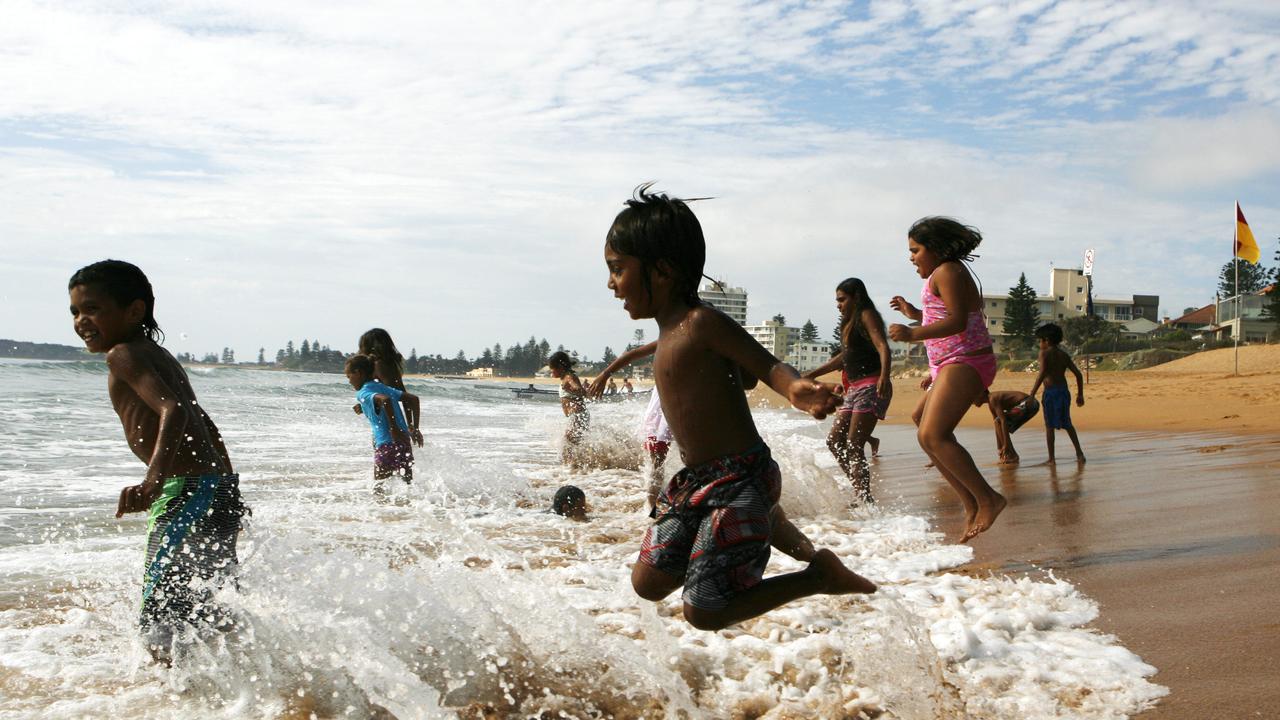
(1164,530)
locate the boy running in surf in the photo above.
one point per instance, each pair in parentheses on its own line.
(712,534)
(190,491)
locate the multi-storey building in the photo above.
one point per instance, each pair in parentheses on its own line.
(1068,297)
(773,336)
(731,301)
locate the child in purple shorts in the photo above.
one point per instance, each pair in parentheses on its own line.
(712,534)
(393,438)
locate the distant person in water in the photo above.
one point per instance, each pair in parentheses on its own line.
(962,364)
(712,533)
(574,405)
(865,363)
(570,502)
(191,492)
(388,369)
(1010,410)
(1054,364)
(393,436)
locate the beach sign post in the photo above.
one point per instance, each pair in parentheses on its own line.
(1243,247)
(1088,302)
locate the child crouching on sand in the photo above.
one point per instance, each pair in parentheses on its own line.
(712,533)
(961,362)
(191,492)
(1010,410)
(393,436)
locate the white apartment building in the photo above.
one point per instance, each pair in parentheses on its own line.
(731,301)
(805,356)
(1068,297)
(774,337)
(785,344)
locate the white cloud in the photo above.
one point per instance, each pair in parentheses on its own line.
(317,168)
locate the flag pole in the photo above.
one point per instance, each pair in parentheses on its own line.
(1235,259)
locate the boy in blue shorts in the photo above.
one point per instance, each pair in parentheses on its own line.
(713,530)
(1054,364)
(191,492)
(392,437)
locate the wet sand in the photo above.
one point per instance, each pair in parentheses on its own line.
(1176,536)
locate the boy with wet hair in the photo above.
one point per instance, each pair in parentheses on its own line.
(393,437)
(1010,410)
(712,532)
(191,491)
(1054,364)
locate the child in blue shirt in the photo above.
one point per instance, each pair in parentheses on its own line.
(392,441)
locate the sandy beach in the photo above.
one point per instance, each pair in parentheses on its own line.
(1173,525)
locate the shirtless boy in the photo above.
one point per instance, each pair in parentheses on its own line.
(1054,364)
(190,490)
(712,533)
(1010,410)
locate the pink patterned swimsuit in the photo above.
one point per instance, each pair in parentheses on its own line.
(957,348)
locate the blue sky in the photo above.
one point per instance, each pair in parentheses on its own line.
(287,168)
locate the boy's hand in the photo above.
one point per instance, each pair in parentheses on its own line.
(900,332)
(357,409)
(816,398)
(883,387)
(137,498)
(1079,401)
(597,386)
(416,434)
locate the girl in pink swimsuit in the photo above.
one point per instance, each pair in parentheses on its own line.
(961,362)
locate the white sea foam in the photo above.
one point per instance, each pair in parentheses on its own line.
(464,594)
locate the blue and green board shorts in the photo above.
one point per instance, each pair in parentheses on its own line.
(191,549)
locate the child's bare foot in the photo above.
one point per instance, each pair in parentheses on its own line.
(986,516)
(1011,460)
(835,578)
(874,442)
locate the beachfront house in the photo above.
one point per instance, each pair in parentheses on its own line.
(1241,316)
(1068,297)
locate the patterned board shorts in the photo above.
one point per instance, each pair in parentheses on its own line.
(191,551)
(392,456)
(1057,407)
(1018,415)
(712,527)
(861,396)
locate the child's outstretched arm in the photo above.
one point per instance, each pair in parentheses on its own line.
(142,378)
(623,360)
(412,414)
(900,304)
(829,366)
(953,283)
(729,340)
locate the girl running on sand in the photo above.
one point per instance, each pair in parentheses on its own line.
(961,362)
(864,359)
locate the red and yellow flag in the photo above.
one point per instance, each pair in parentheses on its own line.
(1246,246)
